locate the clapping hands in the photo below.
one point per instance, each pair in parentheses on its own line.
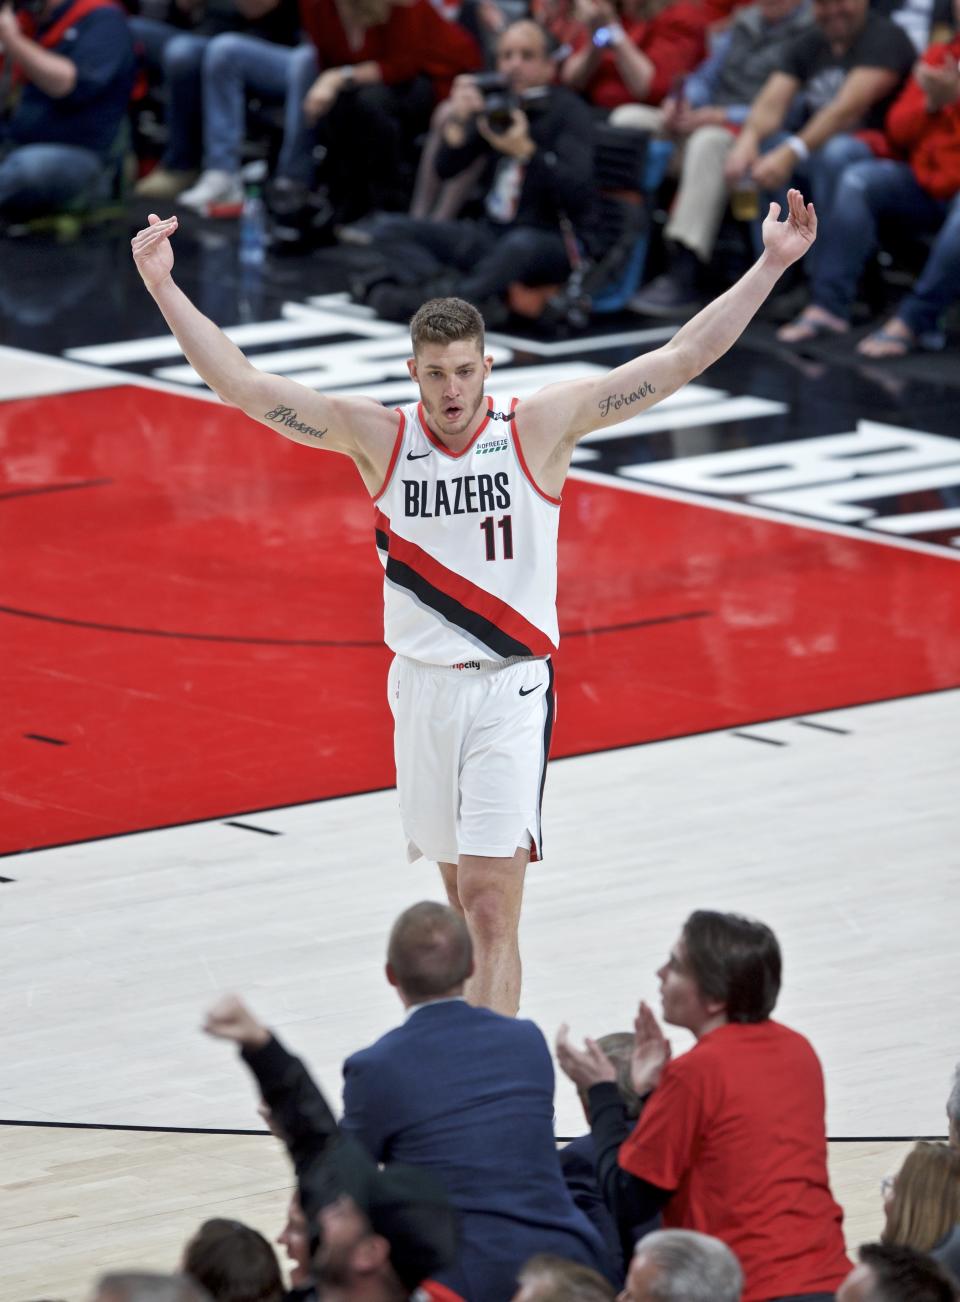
(590,1065)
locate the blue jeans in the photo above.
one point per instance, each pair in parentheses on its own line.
(818,177)
(868,192)
(296,154)
(37,179)
(179,57)
(825,168)
(235,64)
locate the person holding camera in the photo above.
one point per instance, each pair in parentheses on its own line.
(66,72)
(634,51)
(535,140)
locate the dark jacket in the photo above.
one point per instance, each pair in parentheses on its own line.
(559,177)
(100,46)
(468,1095)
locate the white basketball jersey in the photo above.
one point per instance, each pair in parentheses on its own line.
(468,543)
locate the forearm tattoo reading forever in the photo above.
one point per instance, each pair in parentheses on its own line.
(287,416)
(614,401)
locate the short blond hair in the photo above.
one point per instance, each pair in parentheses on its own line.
(446,321)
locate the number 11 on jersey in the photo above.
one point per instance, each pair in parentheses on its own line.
(489,527)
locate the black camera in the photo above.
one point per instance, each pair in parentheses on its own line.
(500,102)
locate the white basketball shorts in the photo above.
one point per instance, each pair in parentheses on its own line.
(471,744)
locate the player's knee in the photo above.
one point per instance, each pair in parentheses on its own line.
(490,912)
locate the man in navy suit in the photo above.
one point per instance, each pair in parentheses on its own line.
(468,1094)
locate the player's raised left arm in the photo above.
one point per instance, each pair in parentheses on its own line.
(567,411)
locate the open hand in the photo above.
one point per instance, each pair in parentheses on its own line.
(231,1019)
(651,1051)
(152,251)
(788,240)
(585,1067)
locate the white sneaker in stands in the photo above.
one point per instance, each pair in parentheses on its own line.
(215,190)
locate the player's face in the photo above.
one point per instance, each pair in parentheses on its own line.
(683,1004)
(451,378)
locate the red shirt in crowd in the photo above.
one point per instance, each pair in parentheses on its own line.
(413,40)
(930,141)
(673,41)
(736,1128)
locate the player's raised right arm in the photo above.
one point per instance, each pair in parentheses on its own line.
(359,427)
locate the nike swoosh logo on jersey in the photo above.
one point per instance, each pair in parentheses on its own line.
(525,691)
(418,456)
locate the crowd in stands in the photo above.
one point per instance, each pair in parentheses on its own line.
(702,1178)
(457,139)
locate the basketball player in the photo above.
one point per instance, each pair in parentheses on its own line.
(466,492)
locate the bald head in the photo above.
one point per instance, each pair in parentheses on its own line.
(523,56)
(429,955)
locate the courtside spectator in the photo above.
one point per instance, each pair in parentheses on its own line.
(682,1266)
(922,1204)
(551,1279)
(577,1159)
(731,1141)
(236,66)
(375,1234)
(144,1286)
(702,120)
(294,1238)
(380,68)
(889,1274)
(233,1262)
(233,45)
(629,52)
(537,162)
(835,82)
(66,74)
(467,1094)
(953,1111)
(919,189)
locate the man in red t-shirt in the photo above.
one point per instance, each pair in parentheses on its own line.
(730,1140)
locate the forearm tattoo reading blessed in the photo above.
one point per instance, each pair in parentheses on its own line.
(287,416)
(614,401)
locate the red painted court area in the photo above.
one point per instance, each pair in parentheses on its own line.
(190,613)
